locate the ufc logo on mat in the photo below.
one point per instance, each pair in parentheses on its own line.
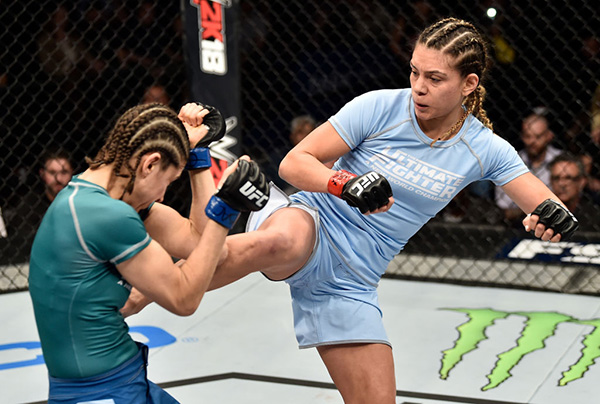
(251,192)
(359,186)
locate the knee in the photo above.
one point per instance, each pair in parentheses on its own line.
(291,234)
(283,244)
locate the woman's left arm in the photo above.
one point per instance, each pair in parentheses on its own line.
(174,233)
(529,192)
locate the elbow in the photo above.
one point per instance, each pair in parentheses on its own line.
(187,306)
(284,168)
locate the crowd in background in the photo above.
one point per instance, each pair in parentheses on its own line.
(70,67)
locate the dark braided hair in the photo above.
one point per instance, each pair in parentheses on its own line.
(461,40)
(140,130)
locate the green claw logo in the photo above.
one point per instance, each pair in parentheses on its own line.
(538,327)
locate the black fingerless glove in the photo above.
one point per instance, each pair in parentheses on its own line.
(555,216)
(200,153)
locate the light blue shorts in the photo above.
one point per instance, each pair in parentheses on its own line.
(126,384)
(331,304)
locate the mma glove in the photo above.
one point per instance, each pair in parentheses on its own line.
(555,216)
(200,153)
(245,190)
(367,192)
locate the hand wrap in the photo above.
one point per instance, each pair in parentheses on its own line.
(246,189)
(555,216)
(367,192)
(200,153)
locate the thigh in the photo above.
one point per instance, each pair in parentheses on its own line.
(278,248)
(363,373)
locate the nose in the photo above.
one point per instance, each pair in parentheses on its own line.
(418,85)
(527,141)
(63,178)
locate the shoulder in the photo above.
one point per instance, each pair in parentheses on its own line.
(378,104)
(385,96)
(93,205)
(481,137)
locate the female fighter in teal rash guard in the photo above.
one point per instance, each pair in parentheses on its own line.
(425,144)
(92,245)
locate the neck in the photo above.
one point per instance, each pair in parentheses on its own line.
(50,195)
(447,129)
(104,177)
(538,159)
(572,203)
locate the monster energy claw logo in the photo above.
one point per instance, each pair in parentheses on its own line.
(539,326)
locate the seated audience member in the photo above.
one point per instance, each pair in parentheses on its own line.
(300,127)
(23,214)
(537,153)
(592,167)
(568,180)
(156,93)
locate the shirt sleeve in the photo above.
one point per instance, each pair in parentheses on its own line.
(504,163)
(117,234)
(359,118)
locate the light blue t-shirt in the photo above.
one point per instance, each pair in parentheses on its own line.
(381,129)
(75,287)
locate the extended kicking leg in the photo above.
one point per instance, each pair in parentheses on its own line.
(280,246)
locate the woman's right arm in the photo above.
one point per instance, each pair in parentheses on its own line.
(305,166)
(180,288)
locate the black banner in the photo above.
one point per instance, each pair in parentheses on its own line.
(212,58)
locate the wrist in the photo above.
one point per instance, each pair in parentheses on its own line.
(336,182)
(199,158)
(219,211)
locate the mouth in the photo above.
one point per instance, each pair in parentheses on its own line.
(419,105)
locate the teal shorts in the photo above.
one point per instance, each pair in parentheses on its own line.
(331,302)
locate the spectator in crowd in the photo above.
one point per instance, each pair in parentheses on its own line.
(67,67)
(24,210)
(592,167)
(584,139)
(156,93)
(407,26)
(300,127)
(144,49)
(61,53)
(568,180)
(537,153)
(55,171)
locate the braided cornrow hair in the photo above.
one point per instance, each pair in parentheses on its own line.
(461,40)
(140,130)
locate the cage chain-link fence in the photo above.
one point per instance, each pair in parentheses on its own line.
(69,68)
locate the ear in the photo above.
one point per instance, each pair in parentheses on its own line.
(150,162)
(470,84)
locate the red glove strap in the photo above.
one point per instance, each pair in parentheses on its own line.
(336,183)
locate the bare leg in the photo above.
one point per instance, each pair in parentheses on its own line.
(363,373)
(280,247)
